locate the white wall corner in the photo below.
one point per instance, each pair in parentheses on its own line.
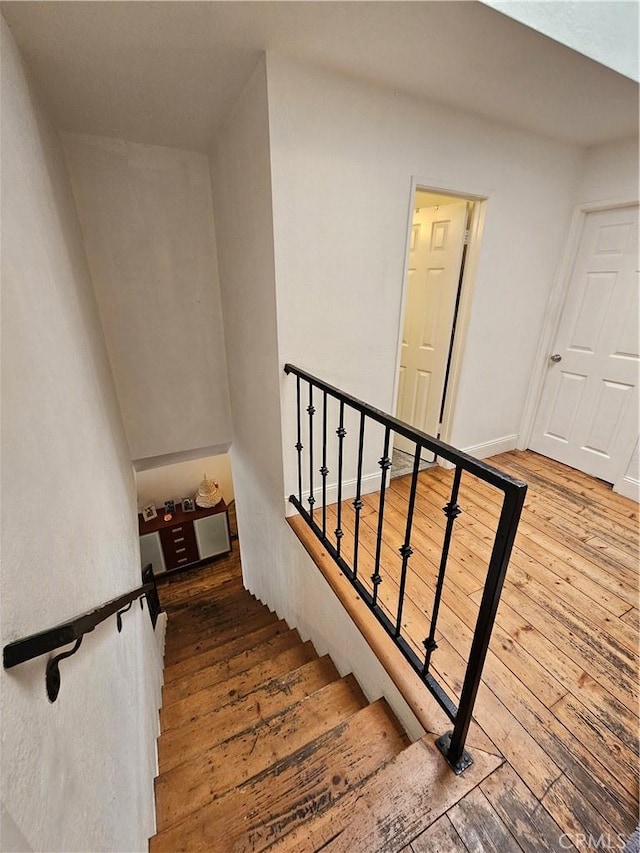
(368,483)
(628,487)
(492,448)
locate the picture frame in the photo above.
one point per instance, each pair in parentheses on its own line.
(149,512)
(169,507)
(188,505)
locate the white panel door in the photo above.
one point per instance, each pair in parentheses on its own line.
(437,240)
(588,413)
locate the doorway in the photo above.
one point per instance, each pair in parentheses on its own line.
(587,415)
(432,322)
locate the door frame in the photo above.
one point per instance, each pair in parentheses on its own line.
(480,199)
(555,306)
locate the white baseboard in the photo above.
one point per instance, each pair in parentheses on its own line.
(492,448)
(369,483)
(628,487)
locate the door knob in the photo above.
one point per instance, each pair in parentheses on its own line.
(556,357)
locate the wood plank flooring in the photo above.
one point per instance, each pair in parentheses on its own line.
(560,687)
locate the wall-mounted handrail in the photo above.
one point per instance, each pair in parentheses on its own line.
(73,630)
(452,743)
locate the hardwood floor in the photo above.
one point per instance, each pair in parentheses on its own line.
(560,687)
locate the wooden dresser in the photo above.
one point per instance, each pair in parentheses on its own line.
(189,538)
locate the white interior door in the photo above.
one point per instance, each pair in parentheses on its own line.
(588,413)
(437,240)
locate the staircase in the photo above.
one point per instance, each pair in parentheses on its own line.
(263,744)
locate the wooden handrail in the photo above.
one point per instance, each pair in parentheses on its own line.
(73,630)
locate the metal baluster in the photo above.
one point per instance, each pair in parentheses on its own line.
(358,499)
(311,411)
(324,470)
(385,463)
(406,550)
(452,743)
(299,441)
(340,432)
(452,511)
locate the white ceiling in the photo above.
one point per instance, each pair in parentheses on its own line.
(605,30)
(169,72)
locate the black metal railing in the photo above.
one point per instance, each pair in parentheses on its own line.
(73,631)
(513,492)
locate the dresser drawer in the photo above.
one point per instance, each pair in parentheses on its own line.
(180,555)
(179,545)
(178,536)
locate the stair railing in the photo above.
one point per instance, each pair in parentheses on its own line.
(311,492)
(73,631)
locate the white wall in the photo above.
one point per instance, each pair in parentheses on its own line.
(610,172)
(147,221)
(241,183)
(343,155)
(76,775)
(174,482)
(276,567)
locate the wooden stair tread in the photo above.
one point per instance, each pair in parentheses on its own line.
(238,631)
(226,650)
(214,617)
(213,772)
(176,593)
(188,628)
(177,596)
(190,598)
(181,744)
(392,806)
(220,607)
(236,687)
(307,782)
(234,597)
(217,671)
